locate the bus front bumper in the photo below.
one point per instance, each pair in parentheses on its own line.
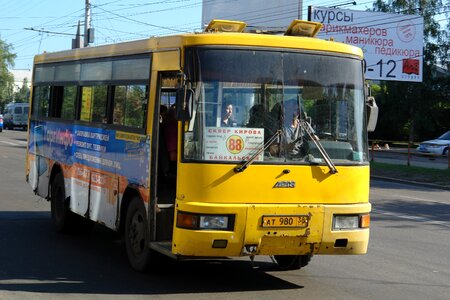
(267,229)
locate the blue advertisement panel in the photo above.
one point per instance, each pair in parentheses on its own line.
(121,153)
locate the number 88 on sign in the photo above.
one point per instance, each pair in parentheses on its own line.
(235,144)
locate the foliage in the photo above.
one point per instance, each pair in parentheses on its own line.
(23,93)
(6,78)
(418,111)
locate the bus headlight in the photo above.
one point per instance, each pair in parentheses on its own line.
(351,222)
(204,222)
(213,222)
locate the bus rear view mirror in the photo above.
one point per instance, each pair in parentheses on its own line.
(184,103)
(372,114)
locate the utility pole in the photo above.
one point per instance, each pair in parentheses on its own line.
(88,32)
(76,42)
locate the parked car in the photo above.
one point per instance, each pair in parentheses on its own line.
(1,123)
(16,115)
(438,146)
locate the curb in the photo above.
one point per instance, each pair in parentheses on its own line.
(411,182)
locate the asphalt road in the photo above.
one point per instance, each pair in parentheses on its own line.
(408,254)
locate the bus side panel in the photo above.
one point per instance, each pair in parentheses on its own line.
(103,206)
(38,164)
(79,183)
(98,164)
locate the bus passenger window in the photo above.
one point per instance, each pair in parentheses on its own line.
(68,102)
(93,103)
(41,101)
(130,105)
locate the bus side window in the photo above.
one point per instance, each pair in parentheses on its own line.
(41,102)
(130,105)
(63,102)
(94,103)
(66,100)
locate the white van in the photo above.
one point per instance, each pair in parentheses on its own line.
(16,115)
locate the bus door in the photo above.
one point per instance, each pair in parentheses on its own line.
(166,144)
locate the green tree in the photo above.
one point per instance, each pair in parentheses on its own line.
(23,93)
(6,78)
(416,111)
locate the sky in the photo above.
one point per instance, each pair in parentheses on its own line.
(34,26)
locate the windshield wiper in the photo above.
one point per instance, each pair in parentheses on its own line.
(310,131)
(264,147)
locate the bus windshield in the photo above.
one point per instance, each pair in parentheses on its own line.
(244,97)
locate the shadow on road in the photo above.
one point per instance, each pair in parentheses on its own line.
(419,212)
(34,258)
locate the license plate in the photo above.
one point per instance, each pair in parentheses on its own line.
(280,221)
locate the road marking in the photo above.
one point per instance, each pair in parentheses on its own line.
(9,143)
(392,196)
(15,143)
(410,217)
(413,198)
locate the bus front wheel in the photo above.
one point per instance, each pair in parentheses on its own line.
(292,262)
(137,236)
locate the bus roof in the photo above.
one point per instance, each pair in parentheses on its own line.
(200,39)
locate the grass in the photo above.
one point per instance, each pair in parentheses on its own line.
(427,175)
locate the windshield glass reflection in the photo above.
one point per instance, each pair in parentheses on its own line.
(243,97)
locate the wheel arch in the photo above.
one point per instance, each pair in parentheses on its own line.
(130,192)
(55,170)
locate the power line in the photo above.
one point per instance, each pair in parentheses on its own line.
(50,32)
(140,22)
(108,15)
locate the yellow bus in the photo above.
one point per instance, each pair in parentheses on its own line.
(214,144)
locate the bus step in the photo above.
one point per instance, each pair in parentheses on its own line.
(163,248)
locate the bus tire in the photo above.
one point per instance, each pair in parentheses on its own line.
(292,262)
(137,236)
(61,214)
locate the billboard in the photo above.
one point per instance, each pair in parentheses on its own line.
(392,43)
(275,15)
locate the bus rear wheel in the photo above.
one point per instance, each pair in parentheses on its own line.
(292,262)
(63,218)
(137,236)
(61,215)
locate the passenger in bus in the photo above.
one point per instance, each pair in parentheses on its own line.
(291,120)
(257,116)
(274,119)
(167,152)
(292,129)
(289,123)
(227,117)
(162,113)
(171,133)
(163,155)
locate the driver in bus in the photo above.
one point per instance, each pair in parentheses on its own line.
(228,118)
